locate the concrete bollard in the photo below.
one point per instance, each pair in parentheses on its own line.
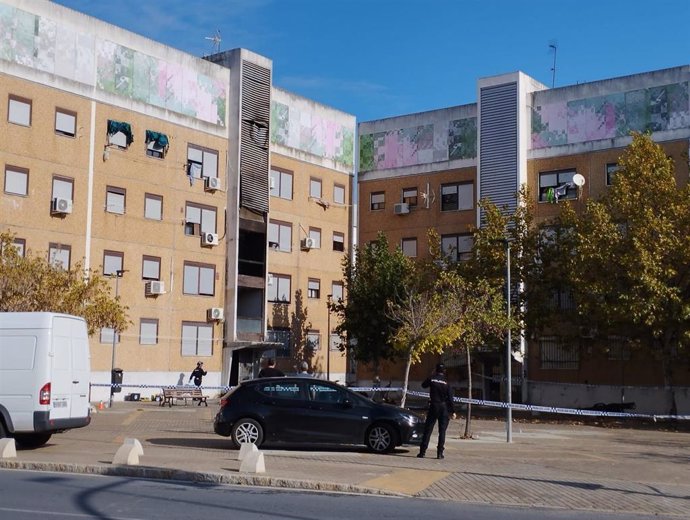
(253,463)
(137,445)
(245,449)
(8,449)
(127,454)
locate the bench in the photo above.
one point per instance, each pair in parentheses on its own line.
(172,394)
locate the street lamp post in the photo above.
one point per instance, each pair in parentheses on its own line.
(328,339)
(509,377)
(118,274)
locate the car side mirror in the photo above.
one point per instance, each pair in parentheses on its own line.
(347,403)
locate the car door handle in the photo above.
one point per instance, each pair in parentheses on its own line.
(75,382)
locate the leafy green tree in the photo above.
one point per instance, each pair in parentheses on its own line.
(299,327)
(32,284)
(374,275)
(630,256)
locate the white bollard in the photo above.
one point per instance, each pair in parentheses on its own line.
(8,449)
(245,449)
(253,463)
(137,445)
(126,455)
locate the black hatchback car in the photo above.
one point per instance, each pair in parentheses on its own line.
(307,410)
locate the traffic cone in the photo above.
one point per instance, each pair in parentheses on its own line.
(101,406)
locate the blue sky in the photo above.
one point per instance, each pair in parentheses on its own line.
(382,58)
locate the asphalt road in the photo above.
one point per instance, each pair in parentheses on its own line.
(26,495)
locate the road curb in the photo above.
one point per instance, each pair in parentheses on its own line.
(178,475)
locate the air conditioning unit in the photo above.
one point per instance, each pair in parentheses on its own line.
(61,206)
(308,243)
(209,239)
(215,314)
(212,183)
(401,208)
(154,287)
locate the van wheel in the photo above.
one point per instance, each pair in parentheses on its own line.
(31,440)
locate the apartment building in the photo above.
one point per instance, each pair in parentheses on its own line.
(152,167)
(429,170)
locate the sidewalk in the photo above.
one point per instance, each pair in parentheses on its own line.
(546,465)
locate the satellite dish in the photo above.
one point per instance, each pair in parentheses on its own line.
(578,180)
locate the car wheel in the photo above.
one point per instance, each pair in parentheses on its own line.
(381,438)
(31,440)
(247,430)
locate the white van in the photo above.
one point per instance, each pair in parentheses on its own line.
(44,375)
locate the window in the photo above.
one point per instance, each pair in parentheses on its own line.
(280,236)
(409,195)
(313,340)
(562,299)
(314,288)
(148,331)
(156,144)
(337,291)
(59,255)
(618,348)
(197,339)
(19,111)
(278,288)
(16,180)
(557,185)
(281,184)
(199,279)
(281,336)
(281,390)
(315,235)
(315,188)
(201,162)
(339,194)
(115,200)
(20,245)
(556,354)
(409,247)
(150,268)
(326,394)
(611,169)
(65,122)
(108,335)
(112,262)
(338,241)
(378,200)
(63,188)
(119,134)
(153,206)
(457,247)
(199,219)
(457,197)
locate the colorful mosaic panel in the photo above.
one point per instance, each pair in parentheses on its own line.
(48,45)
(653,109)
(422,144)
(306,130)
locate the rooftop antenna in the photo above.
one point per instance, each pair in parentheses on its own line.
(216,39)
(553,45)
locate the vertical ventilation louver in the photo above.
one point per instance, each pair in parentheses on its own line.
(498,156)
(255,136)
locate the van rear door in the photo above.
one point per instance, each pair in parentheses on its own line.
(71,369)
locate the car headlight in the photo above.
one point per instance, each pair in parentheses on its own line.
(410,419)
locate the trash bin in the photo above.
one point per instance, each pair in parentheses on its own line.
(116,380)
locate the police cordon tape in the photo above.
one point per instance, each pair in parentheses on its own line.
(463,400)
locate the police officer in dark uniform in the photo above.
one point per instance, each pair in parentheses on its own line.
(440,409)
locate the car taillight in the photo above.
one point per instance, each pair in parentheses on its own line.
(44,394)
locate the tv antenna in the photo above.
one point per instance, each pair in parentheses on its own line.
(216,39)
(553,45)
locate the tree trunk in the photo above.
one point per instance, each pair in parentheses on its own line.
(406,378)
(667,367)
(468,419)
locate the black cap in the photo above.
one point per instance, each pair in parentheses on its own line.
(440,368)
